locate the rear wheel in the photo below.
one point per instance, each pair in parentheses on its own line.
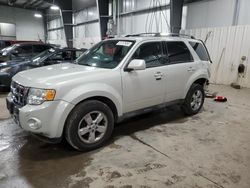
(89,125)
(194,100)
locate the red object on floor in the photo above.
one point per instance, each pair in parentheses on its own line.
(220,99)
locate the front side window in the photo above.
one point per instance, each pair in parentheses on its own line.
(200,50)
(178,52)
(152,54)
(106,54)
(40,48)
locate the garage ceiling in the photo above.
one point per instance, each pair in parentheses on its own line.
(45,4)
(28,4)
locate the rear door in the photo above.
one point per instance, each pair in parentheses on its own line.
(181,66)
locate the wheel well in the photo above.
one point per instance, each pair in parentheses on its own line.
(201,81)
(106,101)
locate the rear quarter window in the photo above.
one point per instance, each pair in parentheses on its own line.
(200,50)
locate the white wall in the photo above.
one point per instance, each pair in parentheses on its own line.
(244,13)
(56,36)
(146,22)
(216,13)
(86,35)
(27,26)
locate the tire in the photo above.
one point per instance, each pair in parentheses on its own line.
(89,125)
(194,100)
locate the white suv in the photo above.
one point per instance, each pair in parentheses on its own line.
(115,79)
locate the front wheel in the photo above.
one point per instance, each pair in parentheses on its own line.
(89,125)
(194,100)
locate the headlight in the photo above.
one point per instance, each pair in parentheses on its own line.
(5,69)
(38,96)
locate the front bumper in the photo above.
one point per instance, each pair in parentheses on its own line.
(49,117)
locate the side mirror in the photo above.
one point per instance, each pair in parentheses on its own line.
(136,64)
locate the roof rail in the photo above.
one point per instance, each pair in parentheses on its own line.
(178,35)
(143,35)
(160,35)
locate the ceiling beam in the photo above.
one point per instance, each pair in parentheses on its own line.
(176,15)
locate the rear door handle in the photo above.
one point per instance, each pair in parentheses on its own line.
(158,75)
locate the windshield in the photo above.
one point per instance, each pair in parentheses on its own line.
(43,55)
(106,54)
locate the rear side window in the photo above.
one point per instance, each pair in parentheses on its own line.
(178,52)
(200,50)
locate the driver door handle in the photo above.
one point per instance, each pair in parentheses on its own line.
(158,75)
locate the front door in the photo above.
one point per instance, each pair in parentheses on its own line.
(145,88)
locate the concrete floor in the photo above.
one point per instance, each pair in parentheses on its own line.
(161,149)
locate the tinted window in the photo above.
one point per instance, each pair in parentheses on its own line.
(178,52)
(40,48)
(200,50)
(151,53)
(24,50)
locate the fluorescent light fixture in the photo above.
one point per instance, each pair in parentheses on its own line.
(54,7)
(38,15)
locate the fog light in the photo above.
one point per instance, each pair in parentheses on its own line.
(34,123)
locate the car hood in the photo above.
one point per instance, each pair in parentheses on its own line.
(51,76)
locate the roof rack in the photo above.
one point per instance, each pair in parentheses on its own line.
(160,35)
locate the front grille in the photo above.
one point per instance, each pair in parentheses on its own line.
(19,94)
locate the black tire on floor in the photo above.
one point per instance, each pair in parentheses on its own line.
(74,119)
(186,106)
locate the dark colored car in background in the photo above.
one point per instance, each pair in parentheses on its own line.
(22,51)
(48,57)
(7,43)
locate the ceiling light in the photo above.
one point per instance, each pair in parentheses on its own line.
(54,7)
(38,15)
